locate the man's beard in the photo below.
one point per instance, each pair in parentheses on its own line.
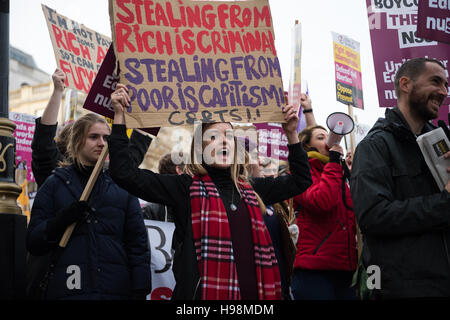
(419,105)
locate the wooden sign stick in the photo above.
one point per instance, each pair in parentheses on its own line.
(86,193)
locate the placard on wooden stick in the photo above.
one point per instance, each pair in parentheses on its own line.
(79,51)
(207,61)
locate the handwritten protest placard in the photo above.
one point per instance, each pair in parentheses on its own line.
(347,61)
(208,61)
(79,51)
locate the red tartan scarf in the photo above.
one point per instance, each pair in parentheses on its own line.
(214,250)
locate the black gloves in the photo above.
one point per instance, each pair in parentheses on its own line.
(64,218)
(335,156)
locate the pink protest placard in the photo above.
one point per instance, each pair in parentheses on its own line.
(272,142)
(434,20)
(25,126)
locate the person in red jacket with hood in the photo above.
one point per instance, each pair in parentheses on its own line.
(326,249)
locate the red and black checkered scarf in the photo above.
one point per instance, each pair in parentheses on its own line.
(214,249)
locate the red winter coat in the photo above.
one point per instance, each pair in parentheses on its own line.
(327,239)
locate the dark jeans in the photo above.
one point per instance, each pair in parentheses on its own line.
(322,285)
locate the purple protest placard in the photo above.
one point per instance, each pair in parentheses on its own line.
(99,97)
(393,32)
(434,20)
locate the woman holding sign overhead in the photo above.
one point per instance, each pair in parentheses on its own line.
(107,256)
(224,249)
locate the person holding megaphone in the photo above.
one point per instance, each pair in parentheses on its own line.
(326,249)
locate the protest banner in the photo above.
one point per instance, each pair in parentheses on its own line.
(361,130)
(347,61)
(160,242)
(272,142)
(393,26)
(79,51)
(433,20)
(206,61)
(25,126)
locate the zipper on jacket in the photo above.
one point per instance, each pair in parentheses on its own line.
(321,243)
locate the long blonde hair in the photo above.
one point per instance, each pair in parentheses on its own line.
(238,170)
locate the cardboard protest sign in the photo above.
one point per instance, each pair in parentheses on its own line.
(347,61)
(433,20)
(393,26)
(206,61)
(79,51)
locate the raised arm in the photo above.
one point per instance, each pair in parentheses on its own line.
(45,155)
(145,184)
(50,115)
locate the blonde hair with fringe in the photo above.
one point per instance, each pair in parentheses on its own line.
(238,171)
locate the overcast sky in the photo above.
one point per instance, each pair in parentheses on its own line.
(28,32)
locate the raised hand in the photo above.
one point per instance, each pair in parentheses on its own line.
(290,126)
(59,78)
(120,100)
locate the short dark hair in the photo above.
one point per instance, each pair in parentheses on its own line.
(412,69)
(167,166)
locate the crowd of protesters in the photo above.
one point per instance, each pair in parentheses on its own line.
(245,230)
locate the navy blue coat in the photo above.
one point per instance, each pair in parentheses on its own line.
(110,246)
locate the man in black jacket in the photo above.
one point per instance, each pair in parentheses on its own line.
(403,215)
